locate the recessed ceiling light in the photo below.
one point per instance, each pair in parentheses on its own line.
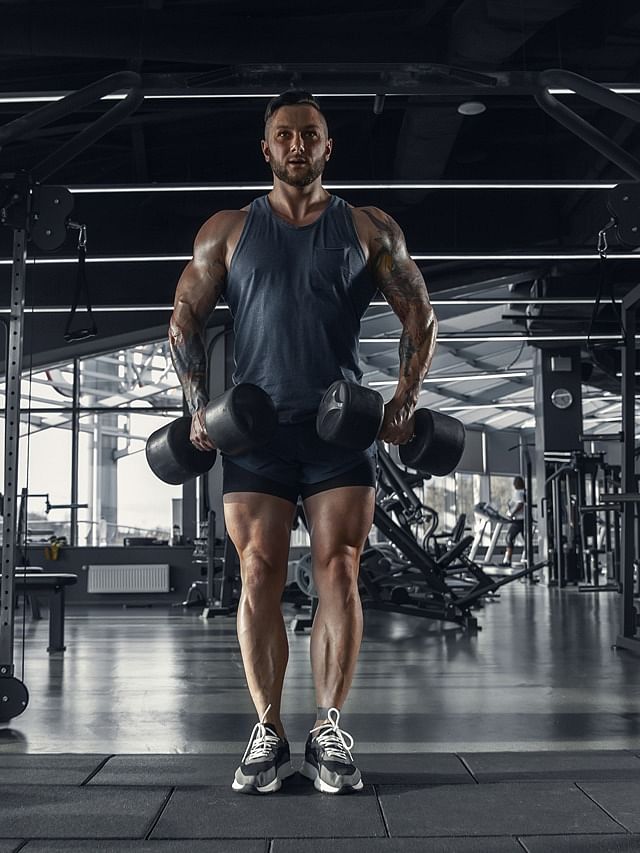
(471,108)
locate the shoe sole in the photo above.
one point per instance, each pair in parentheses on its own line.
(283,772)
(319,784)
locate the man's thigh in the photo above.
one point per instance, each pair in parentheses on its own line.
(258,514)
(339,521)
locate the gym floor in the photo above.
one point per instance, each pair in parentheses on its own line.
(525,736)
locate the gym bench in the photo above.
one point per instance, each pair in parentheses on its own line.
(53,584)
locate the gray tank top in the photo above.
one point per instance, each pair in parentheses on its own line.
(297,296)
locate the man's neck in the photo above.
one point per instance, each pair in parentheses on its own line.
(298,203)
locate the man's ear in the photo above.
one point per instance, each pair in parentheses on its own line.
(328,149)
(265,150)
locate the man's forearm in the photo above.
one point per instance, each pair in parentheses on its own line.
(417,346)
(190,362)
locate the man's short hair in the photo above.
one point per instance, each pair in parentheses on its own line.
(286,99)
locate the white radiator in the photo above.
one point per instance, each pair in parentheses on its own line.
(128,578)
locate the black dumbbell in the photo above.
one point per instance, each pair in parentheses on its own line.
(241,419)
(351,416)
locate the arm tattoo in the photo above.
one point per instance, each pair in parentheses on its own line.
(402,285)
(193,305)
(408,349)
(190,363)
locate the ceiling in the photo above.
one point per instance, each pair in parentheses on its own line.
(427,59)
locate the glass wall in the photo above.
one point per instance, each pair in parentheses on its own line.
(84,425)
(501,492)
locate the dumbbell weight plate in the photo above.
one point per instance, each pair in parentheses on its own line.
(350,415)
(437,445)
(241,419)
(172,457)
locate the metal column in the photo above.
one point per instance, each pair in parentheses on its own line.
(629,498)
(13,694)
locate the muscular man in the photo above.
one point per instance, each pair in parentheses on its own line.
(298,268)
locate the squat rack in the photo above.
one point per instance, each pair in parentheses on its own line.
(40,214)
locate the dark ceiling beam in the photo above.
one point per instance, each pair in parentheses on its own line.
(482,35)
(197,35)
(140,159)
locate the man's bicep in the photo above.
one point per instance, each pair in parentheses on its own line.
(199,288)
(394,271)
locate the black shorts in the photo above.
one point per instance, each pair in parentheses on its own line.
(297,462)
(515,528)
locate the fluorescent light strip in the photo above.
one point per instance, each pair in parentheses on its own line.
(204,96)
(128,259)
(105,309)
(515,301)
(135,259)
(619,90)
(349,185)
(191,96)
(97,309)
(465,377)
(594,256)
(47,99)
(595,420)
(487,338)
(472,407)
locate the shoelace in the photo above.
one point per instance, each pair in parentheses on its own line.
(332,738)
(261,742)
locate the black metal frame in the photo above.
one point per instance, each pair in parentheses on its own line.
(557,77)
(629,499)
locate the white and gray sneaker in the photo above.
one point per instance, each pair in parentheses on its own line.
(328,760)
(265,763)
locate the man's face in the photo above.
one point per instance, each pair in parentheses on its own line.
(297,145)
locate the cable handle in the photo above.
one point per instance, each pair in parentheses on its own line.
(82,286)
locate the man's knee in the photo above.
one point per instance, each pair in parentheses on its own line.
(261,575)
(336,572)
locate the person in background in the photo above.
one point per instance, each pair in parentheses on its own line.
(516,514)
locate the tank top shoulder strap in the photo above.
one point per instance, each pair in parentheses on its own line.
(255,213)
(344,214)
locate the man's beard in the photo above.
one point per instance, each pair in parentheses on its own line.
(314,170)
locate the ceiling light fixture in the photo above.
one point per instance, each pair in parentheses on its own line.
(136,259)
(347,185)
(55,309)
(479,339)
(25,98)
(475,406)
(472,108)
(551,256)
(620,90)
